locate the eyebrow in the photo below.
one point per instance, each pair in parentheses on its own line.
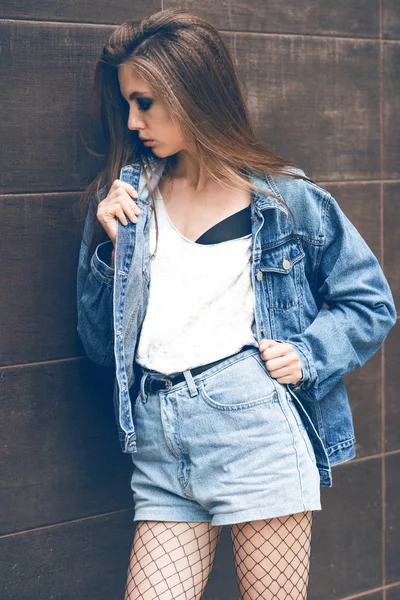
(133,95)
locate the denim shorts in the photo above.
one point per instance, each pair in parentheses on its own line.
(226,446)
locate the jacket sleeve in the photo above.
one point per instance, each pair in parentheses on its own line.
(95,285)
(361,309)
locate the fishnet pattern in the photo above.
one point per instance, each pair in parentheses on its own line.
(170,560)
(272,557)
(173,560)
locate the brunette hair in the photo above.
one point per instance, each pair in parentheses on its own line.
(186,62)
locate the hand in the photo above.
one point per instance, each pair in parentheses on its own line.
(281,360)
(118,203)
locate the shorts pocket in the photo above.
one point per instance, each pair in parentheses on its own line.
(241,385)
(303,431)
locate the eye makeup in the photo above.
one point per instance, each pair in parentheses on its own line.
(144,103)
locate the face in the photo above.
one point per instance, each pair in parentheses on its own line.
(148,115)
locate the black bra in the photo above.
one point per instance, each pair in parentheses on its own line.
(234,226)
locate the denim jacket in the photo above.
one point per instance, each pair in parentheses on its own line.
(317,285)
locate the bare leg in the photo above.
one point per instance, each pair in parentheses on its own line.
(272,557)
(170,560)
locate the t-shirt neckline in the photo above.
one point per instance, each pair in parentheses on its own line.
(164,208)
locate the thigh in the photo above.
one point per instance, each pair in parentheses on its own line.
(171,560)
(272,557)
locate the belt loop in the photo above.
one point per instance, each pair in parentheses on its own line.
(142,392)
(191,384)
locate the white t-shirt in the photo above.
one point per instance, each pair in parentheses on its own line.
(201,303)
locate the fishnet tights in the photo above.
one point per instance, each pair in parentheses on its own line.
(170,561)
(173,560)
(272,557)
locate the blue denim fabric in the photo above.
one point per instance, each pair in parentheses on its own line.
(211,448)
(317,285)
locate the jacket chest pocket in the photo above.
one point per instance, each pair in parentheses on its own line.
(283,274)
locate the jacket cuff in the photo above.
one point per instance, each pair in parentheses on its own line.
(101,261)
(308,368)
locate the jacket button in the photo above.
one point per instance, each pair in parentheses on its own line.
(286,264)
(259,275)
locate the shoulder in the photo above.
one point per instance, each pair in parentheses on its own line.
(309,202)
(300,189)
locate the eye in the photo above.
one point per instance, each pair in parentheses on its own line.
(144,103)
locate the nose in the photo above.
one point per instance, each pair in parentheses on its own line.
(134,122)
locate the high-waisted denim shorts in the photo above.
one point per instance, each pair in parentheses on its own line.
(226,446)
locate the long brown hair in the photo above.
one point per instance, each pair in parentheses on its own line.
(186,62)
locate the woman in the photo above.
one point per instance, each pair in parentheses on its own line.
(231,295)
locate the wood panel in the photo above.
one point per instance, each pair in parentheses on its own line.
(391,225)
(371,596)
(393,593)
(47,72)
(347,541)
(82,560)
(356,18)
(364,391)
(40,236)
(60,457)
(312,90)
(391,19)
(392,395)
(91,11)
(391,113)
(392,521)
(312,102)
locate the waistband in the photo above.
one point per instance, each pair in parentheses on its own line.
(156,381)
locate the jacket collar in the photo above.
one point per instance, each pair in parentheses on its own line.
(261,200)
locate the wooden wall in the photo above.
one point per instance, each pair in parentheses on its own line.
(323,84)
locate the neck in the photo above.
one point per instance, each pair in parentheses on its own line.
(188,170)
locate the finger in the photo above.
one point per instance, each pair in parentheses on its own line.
(292,374)
(127,203)
(283,380)
(127,213)
(122,198)
(278,363)
(133,217)
(266,343)
(119,184)
(119,213)
(283,372)
(286,376)
(275,351)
